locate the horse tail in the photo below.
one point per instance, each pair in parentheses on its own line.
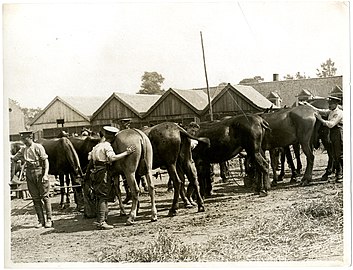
(315,136)
(199,139)
(73,158)
(265,125)
(143,164)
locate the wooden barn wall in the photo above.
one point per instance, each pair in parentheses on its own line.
(233,102)
(113,110)
(230,103)
(181,119)
(171,107)
(59,110)
(37,127)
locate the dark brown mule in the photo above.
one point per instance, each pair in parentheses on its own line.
(324,136)
(63,160)
(138,163)
(172,150)
(290,126)
(228,138)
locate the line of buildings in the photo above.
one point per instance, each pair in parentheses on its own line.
(73,114)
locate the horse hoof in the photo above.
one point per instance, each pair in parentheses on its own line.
(129,222)
(274,183)
(201,208)
(188,205)
(305,183)
(154,219)
(263,193)
(172,213)
(324,177)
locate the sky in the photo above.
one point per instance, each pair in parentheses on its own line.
(95,49)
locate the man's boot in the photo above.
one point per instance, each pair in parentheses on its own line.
(102,215)
(39,210)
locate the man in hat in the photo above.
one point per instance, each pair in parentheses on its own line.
(335,124)
(101,157)
(37,168)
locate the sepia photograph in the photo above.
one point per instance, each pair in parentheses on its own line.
(176,134)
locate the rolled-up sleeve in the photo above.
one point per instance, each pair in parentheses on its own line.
(337,118)
(109,152)
(42,154)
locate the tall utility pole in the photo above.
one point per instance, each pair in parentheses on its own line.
(208,88)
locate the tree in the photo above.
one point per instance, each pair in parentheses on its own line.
(288,77)
(256,79)
(30,114)
(299,76)
(151,83)
(327,69)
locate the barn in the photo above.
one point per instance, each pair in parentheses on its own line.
(290,91)
(176,105)
(121,106)
(236,99)
(16,120)
(71,114)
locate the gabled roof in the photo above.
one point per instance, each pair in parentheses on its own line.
(248,93)
(304,92)
(84,106)
(196,100)
(273,95)
(214,90)
(137,103)
(252,95)
(337,89)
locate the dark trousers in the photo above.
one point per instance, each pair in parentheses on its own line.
(39,192)
(336,137)
(101,183)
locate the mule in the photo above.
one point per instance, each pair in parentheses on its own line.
(138,163)
(172,150)
(290,126)
(324,136)
(63,160)
(228,138)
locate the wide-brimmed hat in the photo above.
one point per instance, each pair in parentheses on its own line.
(334,99)
(109,130)
(26,134)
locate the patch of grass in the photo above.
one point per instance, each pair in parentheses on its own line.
(309,230)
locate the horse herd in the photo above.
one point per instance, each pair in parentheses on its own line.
(168,146)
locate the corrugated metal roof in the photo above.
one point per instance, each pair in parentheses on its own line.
(253,95)
(139,102)
(86,105)
(196,98)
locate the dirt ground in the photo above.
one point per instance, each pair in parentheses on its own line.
(75,239)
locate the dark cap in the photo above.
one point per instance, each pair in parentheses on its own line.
(26,134)
(334,99)
(125,120)
(109,130)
